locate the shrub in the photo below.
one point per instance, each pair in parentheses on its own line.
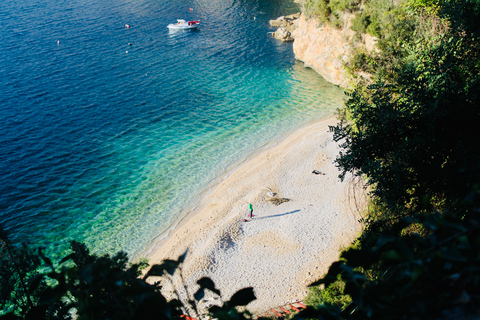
(374,29)
(317,8)
(332,295)
(344,5)
(360,62)
(361,22)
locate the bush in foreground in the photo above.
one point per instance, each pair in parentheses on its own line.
(85,286)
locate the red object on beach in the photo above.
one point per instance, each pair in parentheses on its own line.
(301,305)
(285,310)
(278,314)
(294,308)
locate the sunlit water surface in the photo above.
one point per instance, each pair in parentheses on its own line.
(108,134)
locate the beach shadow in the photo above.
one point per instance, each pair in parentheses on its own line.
(278,215)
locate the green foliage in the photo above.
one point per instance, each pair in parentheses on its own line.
(18,265)
(368,21)
(371,17)
(361,22)
(414,136)
(430,6)
(99,287)
(323,8)
(333,295)
(381,14)
(360,61)
(411,276)
(319,9)
(374,28)
(104,287)
(344,5)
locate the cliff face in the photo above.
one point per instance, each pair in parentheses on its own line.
(325,48)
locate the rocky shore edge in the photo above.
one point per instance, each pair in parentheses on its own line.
(286,25)
(322,47)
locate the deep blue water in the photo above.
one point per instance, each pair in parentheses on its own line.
(108,133)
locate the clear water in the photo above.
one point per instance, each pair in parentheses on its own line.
(108,134)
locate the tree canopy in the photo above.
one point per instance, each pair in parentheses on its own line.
(410,132)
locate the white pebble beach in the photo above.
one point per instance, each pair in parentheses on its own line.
(284,247)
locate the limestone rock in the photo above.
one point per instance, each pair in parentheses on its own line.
(287,25)
(283,34)
(286,22)
(325,48)
(277,22)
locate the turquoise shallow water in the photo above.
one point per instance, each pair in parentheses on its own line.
(108,134)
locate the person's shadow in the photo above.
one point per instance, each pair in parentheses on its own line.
(278,215)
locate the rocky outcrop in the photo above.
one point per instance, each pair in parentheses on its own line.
(325,48)
(286,26)
(283,34)
(287,22)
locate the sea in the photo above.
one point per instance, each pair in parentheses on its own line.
(112,126)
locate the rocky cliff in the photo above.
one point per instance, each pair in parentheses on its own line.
(325,48)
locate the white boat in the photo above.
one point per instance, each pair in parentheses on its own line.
(182,24)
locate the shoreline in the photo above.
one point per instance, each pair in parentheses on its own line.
(195,206)
(283,248)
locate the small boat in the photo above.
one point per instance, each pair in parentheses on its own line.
(182,24)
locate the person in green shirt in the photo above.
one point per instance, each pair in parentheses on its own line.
(250,215)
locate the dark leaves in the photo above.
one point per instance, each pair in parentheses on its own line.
(167,266)
(205,283)
(242,297)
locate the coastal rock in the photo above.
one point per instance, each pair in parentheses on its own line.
(325,48)
(287,25)
(285,21)
(283,35)
(277,22)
